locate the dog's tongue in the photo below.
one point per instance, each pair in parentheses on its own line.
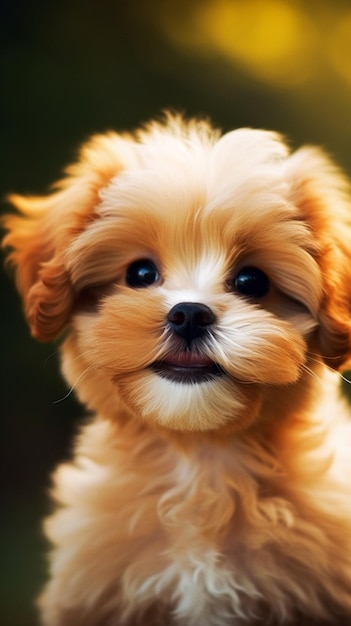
(187,359)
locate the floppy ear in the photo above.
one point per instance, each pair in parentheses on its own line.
(322,193)
(39,235)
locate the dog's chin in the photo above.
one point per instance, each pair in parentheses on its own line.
(197,397)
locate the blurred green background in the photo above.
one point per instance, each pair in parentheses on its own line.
(70,68)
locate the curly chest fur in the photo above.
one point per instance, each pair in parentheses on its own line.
(161,536)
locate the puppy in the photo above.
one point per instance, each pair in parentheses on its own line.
(203,284)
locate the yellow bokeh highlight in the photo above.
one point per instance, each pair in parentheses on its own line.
(273,39)
(283,43)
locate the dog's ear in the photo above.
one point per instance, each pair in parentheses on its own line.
(39,234)
(322,193)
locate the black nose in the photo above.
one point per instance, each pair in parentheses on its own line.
(190,320)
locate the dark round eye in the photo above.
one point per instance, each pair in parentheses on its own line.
(251,282)
(142,273)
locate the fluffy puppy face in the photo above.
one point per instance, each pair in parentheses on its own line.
(193,271)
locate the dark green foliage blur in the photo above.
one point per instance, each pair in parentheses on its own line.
(70,68)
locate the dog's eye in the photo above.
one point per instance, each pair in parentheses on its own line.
(251,282)
(142,273)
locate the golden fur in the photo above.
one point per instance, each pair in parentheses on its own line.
(208,502)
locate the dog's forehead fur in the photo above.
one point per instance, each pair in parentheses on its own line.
(178,164)
(200,203)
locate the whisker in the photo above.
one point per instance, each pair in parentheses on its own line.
(318,360)
(310,371)
(82,355)
(70,391)
(49,357)
(324,356)
(346,380)
(57,353)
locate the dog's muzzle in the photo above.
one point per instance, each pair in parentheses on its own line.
(189,321)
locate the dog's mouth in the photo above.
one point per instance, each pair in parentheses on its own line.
(187,367)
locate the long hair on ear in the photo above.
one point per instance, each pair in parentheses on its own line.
(39,233)
(323,194)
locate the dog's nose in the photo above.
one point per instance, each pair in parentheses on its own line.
(190,320)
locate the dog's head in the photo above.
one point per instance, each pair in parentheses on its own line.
(191,270)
